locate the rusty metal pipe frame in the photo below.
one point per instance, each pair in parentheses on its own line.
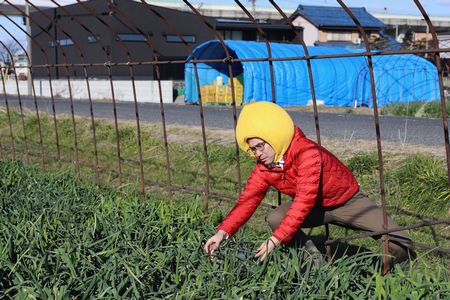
(385,238)
(437,61)
(25,137)
(88,9)
(161,105)
(3,79)
(172,28)
(229,60)
(233,60)
(313,97)
(436,50)
(269,55)
(205,149)
(268,47)
(308,64)
(231,198)
(81,55)
(8,114)
(30,67)
(66,68)
(116,127)
(136,107)
(200,101)
(68,79)
(35,103)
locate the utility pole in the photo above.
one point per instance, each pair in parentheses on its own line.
(253,7)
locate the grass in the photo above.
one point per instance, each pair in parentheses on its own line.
(416,186)
(430,109)
(64,238)
(187,159)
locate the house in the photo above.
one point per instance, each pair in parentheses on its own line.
(99,32)
(400,26)
(245,30)
(444,42)
(332,26)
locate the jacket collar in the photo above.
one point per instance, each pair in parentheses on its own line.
(279,164)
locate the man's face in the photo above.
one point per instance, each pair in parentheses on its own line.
(262,150)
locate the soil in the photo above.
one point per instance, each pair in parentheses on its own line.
(341,148)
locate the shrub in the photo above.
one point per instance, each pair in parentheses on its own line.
(431,109)
(363,163)
(434,109)
(423,184)
(402,109)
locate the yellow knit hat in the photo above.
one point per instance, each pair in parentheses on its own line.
(267,121)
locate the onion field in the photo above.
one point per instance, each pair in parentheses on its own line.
(63,238)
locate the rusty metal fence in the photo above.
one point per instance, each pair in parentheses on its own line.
(74,66)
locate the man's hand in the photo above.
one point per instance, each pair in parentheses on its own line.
(266,247)
(214,242)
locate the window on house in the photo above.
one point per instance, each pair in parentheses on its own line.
(93,39)
(231,34)
(173,38)
(61,42)
(339,36)
(131,37)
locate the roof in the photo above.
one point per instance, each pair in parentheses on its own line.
(222,23)
(331,16)
(342,44)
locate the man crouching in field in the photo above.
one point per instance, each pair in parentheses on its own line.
(322,188)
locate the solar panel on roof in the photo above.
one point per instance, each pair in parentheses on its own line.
(336,16)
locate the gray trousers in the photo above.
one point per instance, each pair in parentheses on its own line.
(357,213)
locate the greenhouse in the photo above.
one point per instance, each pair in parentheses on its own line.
(343,81)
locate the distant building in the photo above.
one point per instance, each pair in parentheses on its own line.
(17,67)
(121,31)
(444,42)
(331,26)
(401,25)
(20,66)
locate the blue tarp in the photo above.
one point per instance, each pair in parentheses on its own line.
(337,81)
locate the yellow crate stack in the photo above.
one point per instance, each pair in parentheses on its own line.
(238,90)
(208,93)
(219,93)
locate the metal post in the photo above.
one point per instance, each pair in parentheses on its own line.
(426,40)
(28,30)
(396,32)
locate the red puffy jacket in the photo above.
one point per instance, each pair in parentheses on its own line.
(311,175)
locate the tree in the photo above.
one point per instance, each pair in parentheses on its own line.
(7,49)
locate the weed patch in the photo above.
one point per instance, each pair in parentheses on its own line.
(430,109)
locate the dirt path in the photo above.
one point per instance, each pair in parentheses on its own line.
(340,147)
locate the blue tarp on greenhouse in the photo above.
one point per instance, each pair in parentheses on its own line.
(337,81)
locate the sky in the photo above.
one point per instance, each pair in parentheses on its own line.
(433,7)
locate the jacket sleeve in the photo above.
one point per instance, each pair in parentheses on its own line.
(248,201)
(308,182)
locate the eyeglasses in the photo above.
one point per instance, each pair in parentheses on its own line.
(257,147)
